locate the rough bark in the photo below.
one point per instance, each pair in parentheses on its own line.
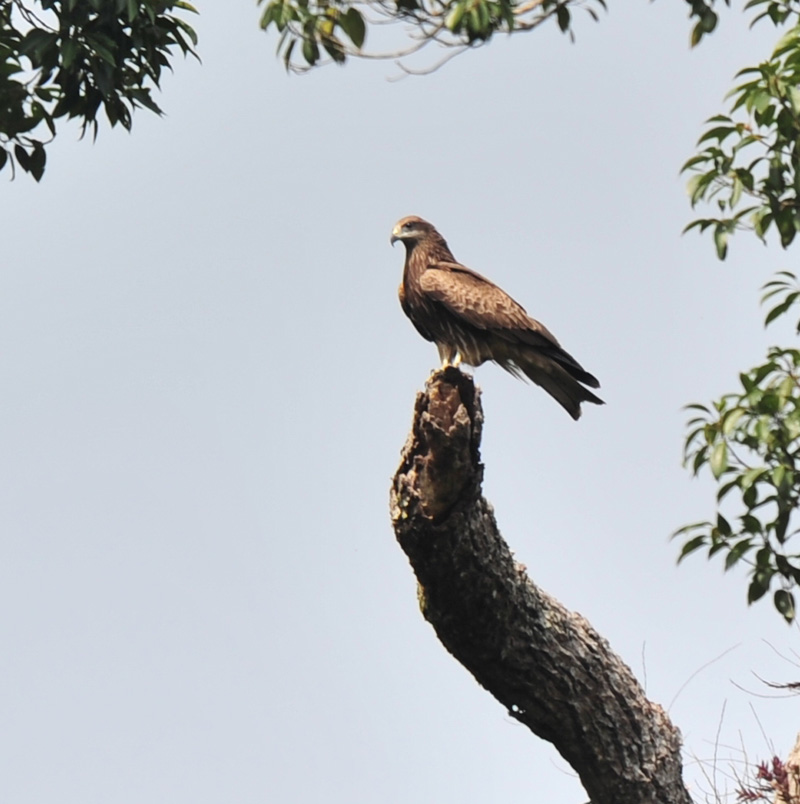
(546,665)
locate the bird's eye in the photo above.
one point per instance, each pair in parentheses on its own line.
(407,226)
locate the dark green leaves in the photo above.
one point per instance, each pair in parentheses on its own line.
(784,603)
(750,443)
(352,23)
(478,20)
(318,29)
(310,29)
(78,58)
(706,18)
(786,290)
(563,17)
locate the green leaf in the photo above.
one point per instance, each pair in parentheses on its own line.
(310,52)
(783,565)
(726,488)
(287,56)
(701,456)
(769,403)
(689,528)
(763,557)
(269,15)
(352,23)
(781,524)
(695,160)
(764,371)
(36,43)
(793,94)
(563,17)
(69,50)
(100,45)
(736,192)
(188,30)
(333,47)
(759,586)
(142,96)
(706,24)
(787,41)
(784,603)
(23,159)
(719,133)
(718,543)
(731,419)
(750,497)
(721,235)
(736,552)
(762,220)
(453,21)
(38,159)
(781,308)
(750,476)
(718,462)
(785,389)
(692,545)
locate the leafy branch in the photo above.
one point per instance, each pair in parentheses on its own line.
(749,164)
(750,442)
(314,32)
(69,58)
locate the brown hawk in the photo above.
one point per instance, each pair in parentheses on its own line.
(471,319)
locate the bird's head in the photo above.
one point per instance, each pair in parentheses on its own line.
(410,230)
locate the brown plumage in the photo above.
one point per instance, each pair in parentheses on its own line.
(472,320)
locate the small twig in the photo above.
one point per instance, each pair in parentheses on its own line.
(698,671)
(716,744)
(427,70)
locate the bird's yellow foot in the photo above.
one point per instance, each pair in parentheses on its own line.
(455,362)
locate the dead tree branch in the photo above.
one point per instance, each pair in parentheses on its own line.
(546,665)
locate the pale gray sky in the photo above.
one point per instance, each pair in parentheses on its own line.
(207,380)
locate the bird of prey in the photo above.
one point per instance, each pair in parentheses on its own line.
(471,319)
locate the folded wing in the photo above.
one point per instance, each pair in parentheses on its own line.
(496,327)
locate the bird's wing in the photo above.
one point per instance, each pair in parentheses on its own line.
(482,304)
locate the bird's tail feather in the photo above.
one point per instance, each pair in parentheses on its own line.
(574,368)
(558,381)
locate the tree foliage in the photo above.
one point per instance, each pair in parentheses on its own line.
(314,32)
(750,442)
(70,58)
(748,166)
(311,30)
